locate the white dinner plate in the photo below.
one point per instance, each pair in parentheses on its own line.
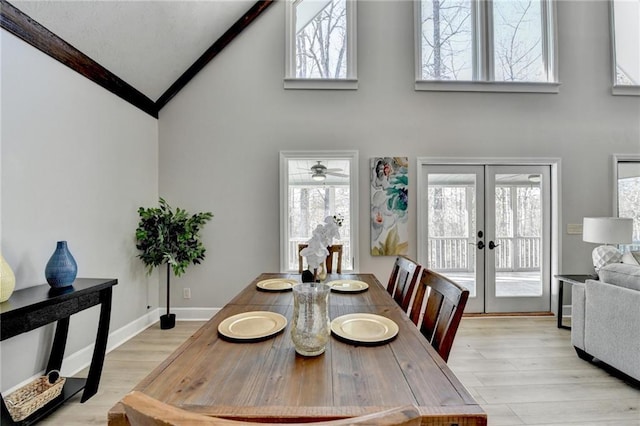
(348,286)
(276,284)
(252,326)
(364,328)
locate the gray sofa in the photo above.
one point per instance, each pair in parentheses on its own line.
(605,321)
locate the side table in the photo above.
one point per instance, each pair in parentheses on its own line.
(33,307)
(569,279)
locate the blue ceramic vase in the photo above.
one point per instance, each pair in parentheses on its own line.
(61,269)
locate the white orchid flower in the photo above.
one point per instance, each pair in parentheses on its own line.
(316,251)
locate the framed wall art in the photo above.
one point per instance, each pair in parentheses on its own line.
(389,200)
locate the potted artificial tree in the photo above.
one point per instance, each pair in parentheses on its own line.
(171,237)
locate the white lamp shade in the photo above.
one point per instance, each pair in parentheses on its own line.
(607,230)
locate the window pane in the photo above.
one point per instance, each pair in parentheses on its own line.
(451,213)
(518,41)
(310,201)
(448,211)
(529,211)
(627,40)
(446,40)
(321,39)
(504,211)
(629,196)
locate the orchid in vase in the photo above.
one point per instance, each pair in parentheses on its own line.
(316,251)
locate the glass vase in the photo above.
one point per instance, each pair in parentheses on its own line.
(310,327)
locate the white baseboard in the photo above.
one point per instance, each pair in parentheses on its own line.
(81,359)
(77,361)
(194,314)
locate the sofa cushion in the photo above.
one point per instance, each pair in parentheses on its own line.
(621,274)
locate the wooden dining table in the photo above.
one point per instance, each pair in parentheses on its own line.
(267,381)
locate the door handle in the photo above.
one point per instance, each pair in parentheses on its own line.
(492,245)
(480,244)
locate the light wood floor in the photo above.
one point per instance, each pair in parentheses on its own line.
(523,371)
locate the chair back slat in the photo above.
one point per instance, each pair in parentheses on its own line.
(337,249)
(401,287)
(431,315)
(445,305)
(402,281)
(445,317)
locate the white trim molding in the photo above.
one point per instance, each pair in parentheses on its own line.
(556,202)
(632,41)
(486,86)
(482,52)
(616,159)
(354,177)
(291,81)
(194,314)
(81,359)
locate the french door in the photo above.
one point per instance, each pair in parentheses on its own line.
(487,227)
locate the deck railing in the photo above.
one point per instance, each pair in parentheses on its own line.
(458,254)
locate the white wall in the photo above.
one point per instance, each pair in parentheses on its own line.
(77,162)
(220,137)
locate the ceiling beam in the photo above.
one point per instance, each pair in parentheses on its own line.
(33,33)
(226,38)
(22,26)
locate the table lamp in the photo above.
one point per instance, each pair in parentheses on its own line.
(606,230)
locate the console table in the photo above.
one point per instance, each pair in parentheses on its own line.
(34,307)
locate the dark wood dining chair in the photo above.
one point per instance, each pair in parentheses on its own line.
(443,311)
(402,281)
(143,410)
(333,249)
(337,250)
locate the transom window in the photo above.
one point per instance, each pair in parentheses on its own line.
(625,18)
(321,46)
(315,185)
(508,43)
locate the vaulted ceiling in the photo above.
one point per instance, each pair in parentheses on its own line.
(148,44)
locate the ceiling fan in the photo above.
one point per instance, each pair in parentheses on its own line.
(319,172)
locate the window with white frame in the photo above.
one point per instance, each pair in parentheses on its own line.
(314,185)
(625,25)
(510,44)
(321,44)
(627,193)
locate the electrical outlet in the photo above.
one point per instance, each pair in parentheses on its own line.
(186,293)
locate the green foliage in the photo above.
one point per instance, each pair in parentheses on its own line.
(167,236)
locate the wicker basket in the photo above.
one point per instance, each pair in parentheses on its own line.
(34,395)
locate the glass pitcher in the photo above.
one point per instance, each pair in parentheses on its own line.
(310,327)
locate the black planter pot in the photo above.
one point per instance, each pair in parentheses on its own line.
(167,321)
